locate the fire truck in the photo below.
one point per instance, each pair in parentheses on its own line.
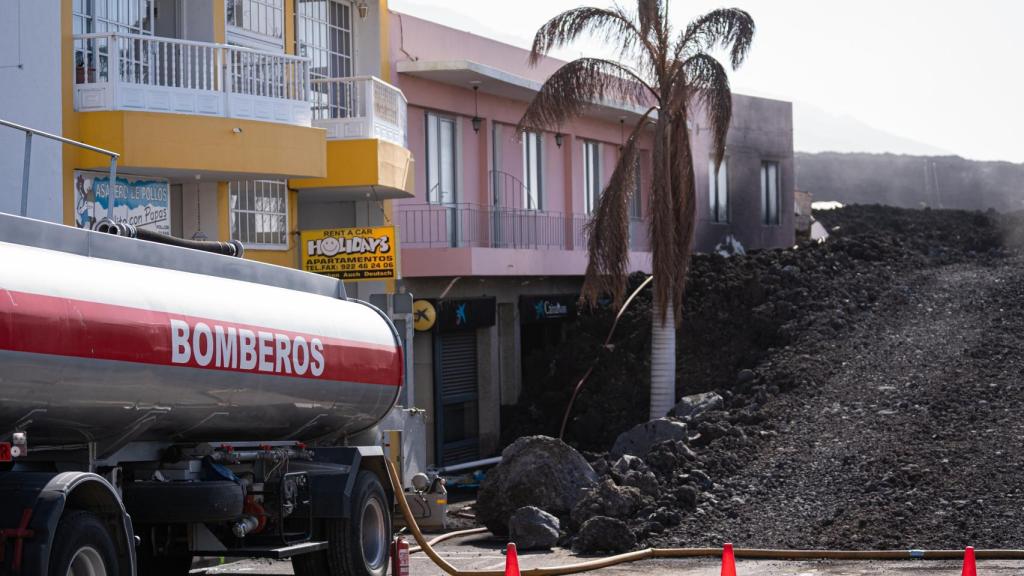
(163,399)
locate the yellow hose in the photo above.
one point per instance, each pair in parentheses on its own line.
(649,553)
(449,536)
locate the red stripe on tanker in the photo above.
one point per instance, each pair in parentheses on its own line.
(42,324)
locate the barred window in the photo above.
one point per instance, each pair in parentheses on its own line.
(260,17)
(259,213)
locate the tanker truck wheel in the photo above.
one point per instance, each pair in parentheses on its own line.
(82,546)
(357,546)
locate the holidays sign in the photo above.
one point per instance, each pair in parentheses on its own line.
(141,202)
(352,254)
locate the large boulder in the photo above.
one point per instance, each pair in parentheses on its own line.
(604,534)
(534,471)
(533,529)
(638,440)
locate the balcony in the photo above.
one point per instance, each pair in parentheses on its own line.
(367,156)
(475,226)
(475,240)
(130,72)
(361,107)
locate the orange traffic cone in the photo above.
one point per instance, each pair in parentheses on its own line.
(728,561)
(970,569)
(511,561)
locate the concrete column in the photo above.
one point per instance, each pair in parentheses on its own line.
(423,371)
(489,390)
(510,353)
(571,176)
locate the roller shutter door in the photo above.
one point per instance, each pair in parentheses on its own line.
(458,434)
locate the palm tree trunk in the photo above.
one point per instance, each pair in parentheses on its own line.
(663,359)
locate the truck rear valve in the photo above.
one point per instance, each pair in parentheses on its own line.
(244,525)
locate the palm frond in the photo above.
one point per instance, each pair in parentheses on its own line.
(685,203)
(578,85)
(611,25)
(708,84)
(729,28)
(608,232)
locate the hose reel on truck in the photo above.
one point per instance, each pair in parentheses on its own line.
(199,397)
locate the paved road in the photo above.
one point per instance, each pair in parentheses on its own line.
(482,554)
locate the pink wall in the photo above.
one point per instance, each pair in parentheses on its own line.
(416,39)
(475,150)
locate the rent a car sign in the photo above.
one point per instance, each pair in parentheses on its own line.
(351,254)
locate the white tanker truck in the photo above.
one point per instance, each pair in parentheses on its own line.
(159,403)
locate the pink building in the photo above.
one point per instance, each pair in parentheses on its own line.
(495,236)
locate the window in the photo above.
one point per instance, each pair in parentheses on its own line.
(636,211)
(440,159)
(123,16)
(591,175)
(128,16)
(770,193)
(260,20)
(718,191)
(532,167)
(258,213)
(323,33)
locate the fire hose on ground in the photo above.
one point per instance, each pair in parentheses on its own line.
(652,553)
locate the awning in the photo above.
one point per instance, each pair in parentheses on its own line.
(463,73)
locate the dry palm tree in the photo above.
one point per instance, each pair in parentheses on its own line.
(673,74)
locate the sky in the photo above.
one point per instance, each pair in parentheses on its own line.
(948,74)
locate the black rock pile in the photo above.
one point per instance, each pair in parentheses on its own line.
(739,310)
(755,327)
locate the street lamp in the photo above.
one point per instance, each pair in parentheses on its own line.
(476,108)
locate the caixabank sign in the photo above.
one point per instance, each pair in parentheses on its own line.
(351,254)
(535,309)
(452,315)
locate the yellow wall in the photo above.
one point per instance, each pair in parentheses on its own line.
(69,118)
(385,40)
(362,163)
(289,26)
(201,143)
(219,22)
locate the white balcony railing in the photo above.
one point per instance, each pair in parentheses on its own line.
(115,71)
(359,107)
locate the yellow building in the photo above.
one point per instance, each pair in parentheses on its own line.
(243,120)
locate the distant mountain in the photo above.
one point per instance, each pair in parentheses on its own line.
(817,130)
(911,181)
